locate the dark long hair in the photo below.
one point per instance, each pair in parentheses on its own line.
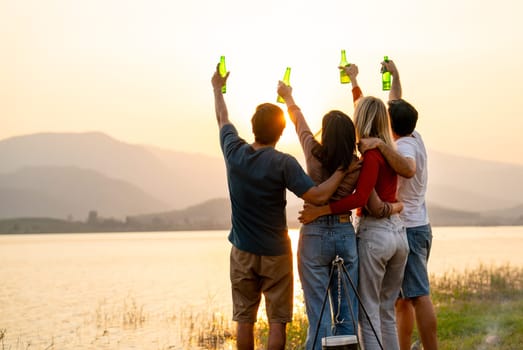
(338,141)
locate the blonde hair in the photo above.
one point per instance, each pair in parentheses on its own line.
(371,120)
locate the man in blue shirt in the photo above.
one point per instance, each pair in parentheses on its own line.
(261,258)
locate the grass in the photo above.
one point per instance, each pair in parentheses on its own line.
(296,331)
(129,315)
(480,308)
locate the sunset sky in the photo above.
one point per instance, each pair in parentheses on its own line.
(140,70)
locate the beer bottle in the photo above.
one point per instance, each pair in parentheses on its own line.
(344,78)
(287,81)
(385,76)
(223,72)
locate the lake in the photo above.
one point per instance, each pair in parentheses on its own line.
(155,290)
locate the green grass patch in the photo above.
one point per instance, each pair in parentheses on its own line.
(480,308)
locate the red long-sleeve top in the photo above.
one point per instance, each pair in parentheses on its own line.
(356,94)
(375,173)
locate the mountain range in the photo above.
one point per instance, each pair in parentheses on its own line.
(67,175)
(165,179)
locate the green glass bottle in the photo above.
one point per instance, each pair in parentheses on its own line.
(344,78)
(287,81)
(385,76)
(223,72)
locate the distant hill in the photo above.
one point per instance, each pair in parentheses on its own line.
(508,212)
(462,200)
(61,192)
(448,217)
(174,178)
(50,225)
(508,216)
(119,179)
(212,214)
(473,185)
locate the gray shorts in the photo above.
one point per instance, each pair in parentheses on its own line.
(416,277)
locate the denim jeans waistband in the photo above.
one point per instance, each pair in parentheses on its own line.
(392,217)
(333,219)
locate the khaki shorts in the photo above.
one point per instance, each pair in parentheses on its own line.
(252,275)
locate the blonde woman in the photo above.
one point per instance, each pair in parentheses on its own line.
(382,243)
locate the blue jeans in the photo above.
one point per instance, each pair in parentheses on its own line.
(416,278)
(319,244)
(383,249)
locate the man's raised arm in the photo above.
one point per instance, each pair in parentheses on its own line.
(404,166)
(222,115)
(395,90)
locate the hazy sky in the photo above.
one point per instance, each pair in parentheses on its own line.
(139,70)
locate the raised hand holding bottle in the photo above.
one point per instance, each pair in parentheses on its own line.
(287,81)
(385,76)
(344,78)
(223,72)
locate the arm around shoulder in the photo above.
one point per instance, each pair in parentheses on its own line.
(403,166)
(321,193)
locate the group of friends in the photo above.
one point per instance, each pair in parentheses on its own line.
(367,211)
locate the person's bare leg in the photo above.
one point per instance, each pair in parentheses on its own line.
(426,322)
(245,336)
(277,336)
(404,322)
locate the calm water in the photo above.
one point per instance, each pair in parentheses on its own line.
(144,290)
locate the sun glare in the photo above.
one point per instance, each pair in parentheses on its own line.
(289,136)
